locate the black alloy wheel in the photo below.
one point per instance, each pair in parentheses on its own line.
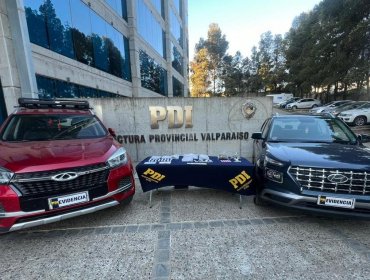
(360,120)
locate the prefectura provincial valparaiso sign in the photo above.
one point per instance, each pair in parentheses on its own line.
(165,126)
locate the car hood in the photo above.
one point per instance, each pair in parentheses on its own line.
(50,155)
(324,155)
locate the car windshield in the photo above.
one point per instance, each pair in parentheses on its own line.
(364,106)
(52,127)
(309,129)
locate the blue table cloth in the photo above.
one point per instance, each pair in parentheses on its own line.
(236,176)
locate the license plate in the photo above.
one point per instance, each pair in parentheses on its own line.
(68,200)
(336,202)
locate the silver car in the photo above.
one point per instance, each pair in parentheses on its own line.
(330,105)
(305,103)
(344,107)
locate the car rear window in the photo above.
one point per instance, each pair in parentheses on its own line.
(52,127)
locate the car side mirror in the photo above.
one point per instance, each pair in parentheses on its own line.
(257,136)
(112,132)
(363,138)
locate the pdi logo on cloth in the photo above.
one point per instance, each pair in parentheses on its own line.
(241,181)
(152,176)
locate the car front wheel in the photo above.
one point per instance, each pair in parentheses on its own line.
(314,106)
(294,107)
(360,120)
(258,201)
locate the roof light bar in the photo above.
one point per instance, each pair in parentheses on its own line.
(53,103)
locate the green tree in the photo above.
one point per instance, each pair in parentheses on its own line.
(328,48)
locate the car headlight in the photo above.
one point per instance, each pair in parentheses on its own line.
(118,158)
(5,176)
(273,161)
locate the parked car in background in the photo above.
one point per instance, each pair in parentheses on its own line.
(304,103)
(344,107)
(359,116)
(58,161)
(280,97)
(283,104)
(313,163)
(332,104)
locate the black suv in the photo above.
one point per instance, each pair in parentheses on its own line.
(312,163)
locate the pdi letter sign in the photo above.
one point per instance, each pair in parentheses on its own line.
(174,114)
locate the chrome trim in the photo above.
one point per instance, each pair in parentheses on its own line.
(16,190)
(318,179)
(62,216)
(126,187)
(65,176)
(295,198)
(50,177)
(21,213)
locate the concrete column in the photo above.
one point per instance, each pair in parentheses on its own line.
(22,47)
(184,17)
(168,47)
(134,48)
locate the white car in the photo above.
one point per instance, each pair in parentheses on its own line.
(332,104)
(304,103)
(358,116)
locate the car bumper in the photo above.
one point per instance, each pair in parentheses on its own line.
(13,218)
(309,204)
(347,119)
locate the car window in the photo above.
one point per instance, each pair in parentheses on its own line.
(52,127)
(265,128)
(308,129)
(365,106)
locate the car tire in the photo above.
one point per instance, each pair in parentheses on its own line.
(258,201)
(359,121)
(127,201)
(314,106)
(294,108)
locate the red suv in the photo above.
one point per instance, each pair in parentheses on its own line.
(57,161)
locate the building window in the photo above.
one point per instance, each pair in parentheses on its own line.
(176,28)
(150,28)
(36,21)
(178,88)
(80,34)
(51,88)
(153,76)
(120,6)
(177,60)
(178,5)
(159,6)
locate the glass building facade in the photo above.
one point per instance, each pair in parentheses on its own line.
(85,32)
(150,28)
(53,88)
(72,29)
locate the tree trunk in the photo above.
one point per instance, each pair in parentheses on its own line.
(345,91)
(335,90)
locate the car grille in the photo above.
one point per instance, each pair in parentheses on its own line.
(317,179)
(38,184)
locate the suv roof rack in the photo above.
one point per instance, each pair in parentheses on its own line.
(33,103)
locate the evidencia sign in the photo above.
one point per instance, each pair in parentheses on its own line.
(174,114)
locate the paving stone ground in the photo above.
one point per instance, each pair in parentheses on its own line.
(190,234)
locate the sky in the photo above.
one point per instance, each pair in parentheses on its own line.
(243,21)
